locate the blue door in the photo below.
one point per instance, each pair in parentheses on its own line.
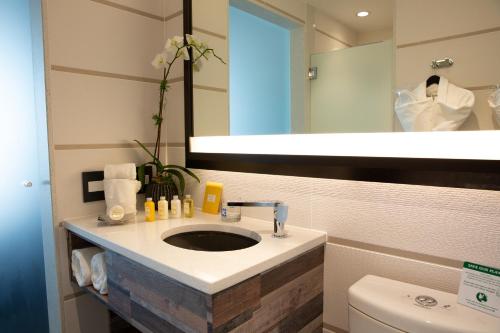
(23,301)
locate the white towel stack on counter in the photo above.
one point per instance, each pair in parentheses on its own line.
(89,267)
(120,188)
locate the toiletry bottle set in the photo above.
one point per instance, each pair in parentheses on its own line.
(177,208)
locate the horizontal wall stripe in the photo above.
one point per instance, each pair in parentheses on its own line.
(207,32)
(265,3)
(198,86)
(396,252)
(176,145)
(489,87)
(129,9)
(111,75)
(173,15)
(333,328)
(332,37)
(442,39)
(103,146)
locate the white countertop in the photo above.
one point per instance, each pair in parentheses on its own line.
(209,272)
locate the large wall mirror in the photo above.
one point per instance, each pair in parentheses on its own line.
(362,74)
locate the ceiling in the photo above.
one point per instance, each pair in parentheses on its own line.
(344,11)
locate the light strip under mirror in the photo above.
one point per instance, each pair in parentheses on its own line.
(480,145)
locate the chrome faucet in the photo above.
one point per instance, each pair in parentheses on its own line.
(280,213)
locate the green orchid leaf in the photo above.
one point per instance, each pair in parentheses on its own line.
(156,161)
(180,177)
(189,172)
(141,172)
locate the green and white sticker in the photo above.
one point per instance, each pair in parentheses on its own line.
(480,288)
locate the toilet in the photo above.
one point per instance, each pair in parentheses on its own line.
(380,305)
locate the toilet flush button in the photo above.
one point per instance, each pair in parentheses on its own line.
(426,300)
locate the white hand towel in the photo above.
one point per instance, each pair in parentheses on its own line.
(494,102)
(120,171)
(80,264)
(121,192)
(99,273)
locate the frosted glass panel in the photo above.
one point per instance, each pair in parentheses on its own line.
(353,90)
(23,305)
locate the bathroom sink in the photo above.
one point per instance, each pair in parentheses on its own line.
(213,240)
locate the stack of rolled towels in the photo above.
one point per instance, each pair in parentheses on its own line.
(89,267)
(120,188)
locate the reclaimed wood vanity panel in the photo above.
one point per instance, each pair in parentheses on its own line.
(286,298)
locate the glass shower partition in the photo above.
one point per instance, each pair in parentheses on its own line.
(353,90)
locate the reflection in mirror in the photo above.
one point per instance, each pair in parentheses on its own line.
(347,66)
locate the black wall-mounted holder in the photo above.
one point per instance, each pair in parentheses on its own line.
(98,176)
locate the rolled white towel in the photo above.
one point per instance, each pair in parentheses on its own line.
(99,273)
(121,192)
(80,264)
(120,171)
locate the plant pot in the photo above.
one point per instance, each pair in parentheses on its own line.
(157,190)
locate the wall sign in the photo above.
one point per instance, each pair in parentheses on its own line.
(480,288)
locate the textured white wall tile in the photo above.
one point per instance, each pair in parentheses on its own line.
(90,35)
(292,190)
(210,112)
(171,6)
(452,223)
(462,16)
(90,109)
(155,7)
(68,166)
(344,266)
(173,27)
(211,15)
(214,73)
(174,113)
(413,63)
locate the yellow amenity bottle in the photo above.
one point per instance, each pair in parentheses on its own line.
(149,210)
(188,206)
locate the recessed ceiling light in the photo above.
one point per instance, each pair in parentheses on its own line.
(362,13)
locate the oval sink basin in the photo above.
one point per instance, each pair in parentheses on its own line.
(213,240)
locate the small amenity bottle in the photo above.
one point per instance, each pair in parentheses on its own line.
(188,206)
(175,207)
(149,210)
(162,209)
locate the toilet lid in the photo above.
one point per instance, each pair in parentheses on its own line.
(412,308)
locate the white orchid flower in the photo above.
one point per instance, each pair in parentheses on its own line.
(198,65)
(160,61)
(185,53)
(170,47)
(192,40)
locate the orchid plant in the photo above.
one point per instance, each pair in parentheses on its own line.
(178,47)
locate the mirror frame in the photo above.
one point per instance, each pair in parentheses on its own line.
(459,173)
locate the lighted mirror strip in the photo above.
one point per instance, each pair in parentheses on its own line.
(474,145)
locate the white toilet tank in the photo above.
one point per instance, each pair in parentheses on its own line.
(379,305)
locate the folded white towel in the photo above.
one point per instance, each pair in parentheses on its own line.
(99,273)
(80,264)
(121,192)
(120,171)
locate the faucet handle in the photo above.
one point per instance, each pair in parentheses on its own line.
(281,213)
